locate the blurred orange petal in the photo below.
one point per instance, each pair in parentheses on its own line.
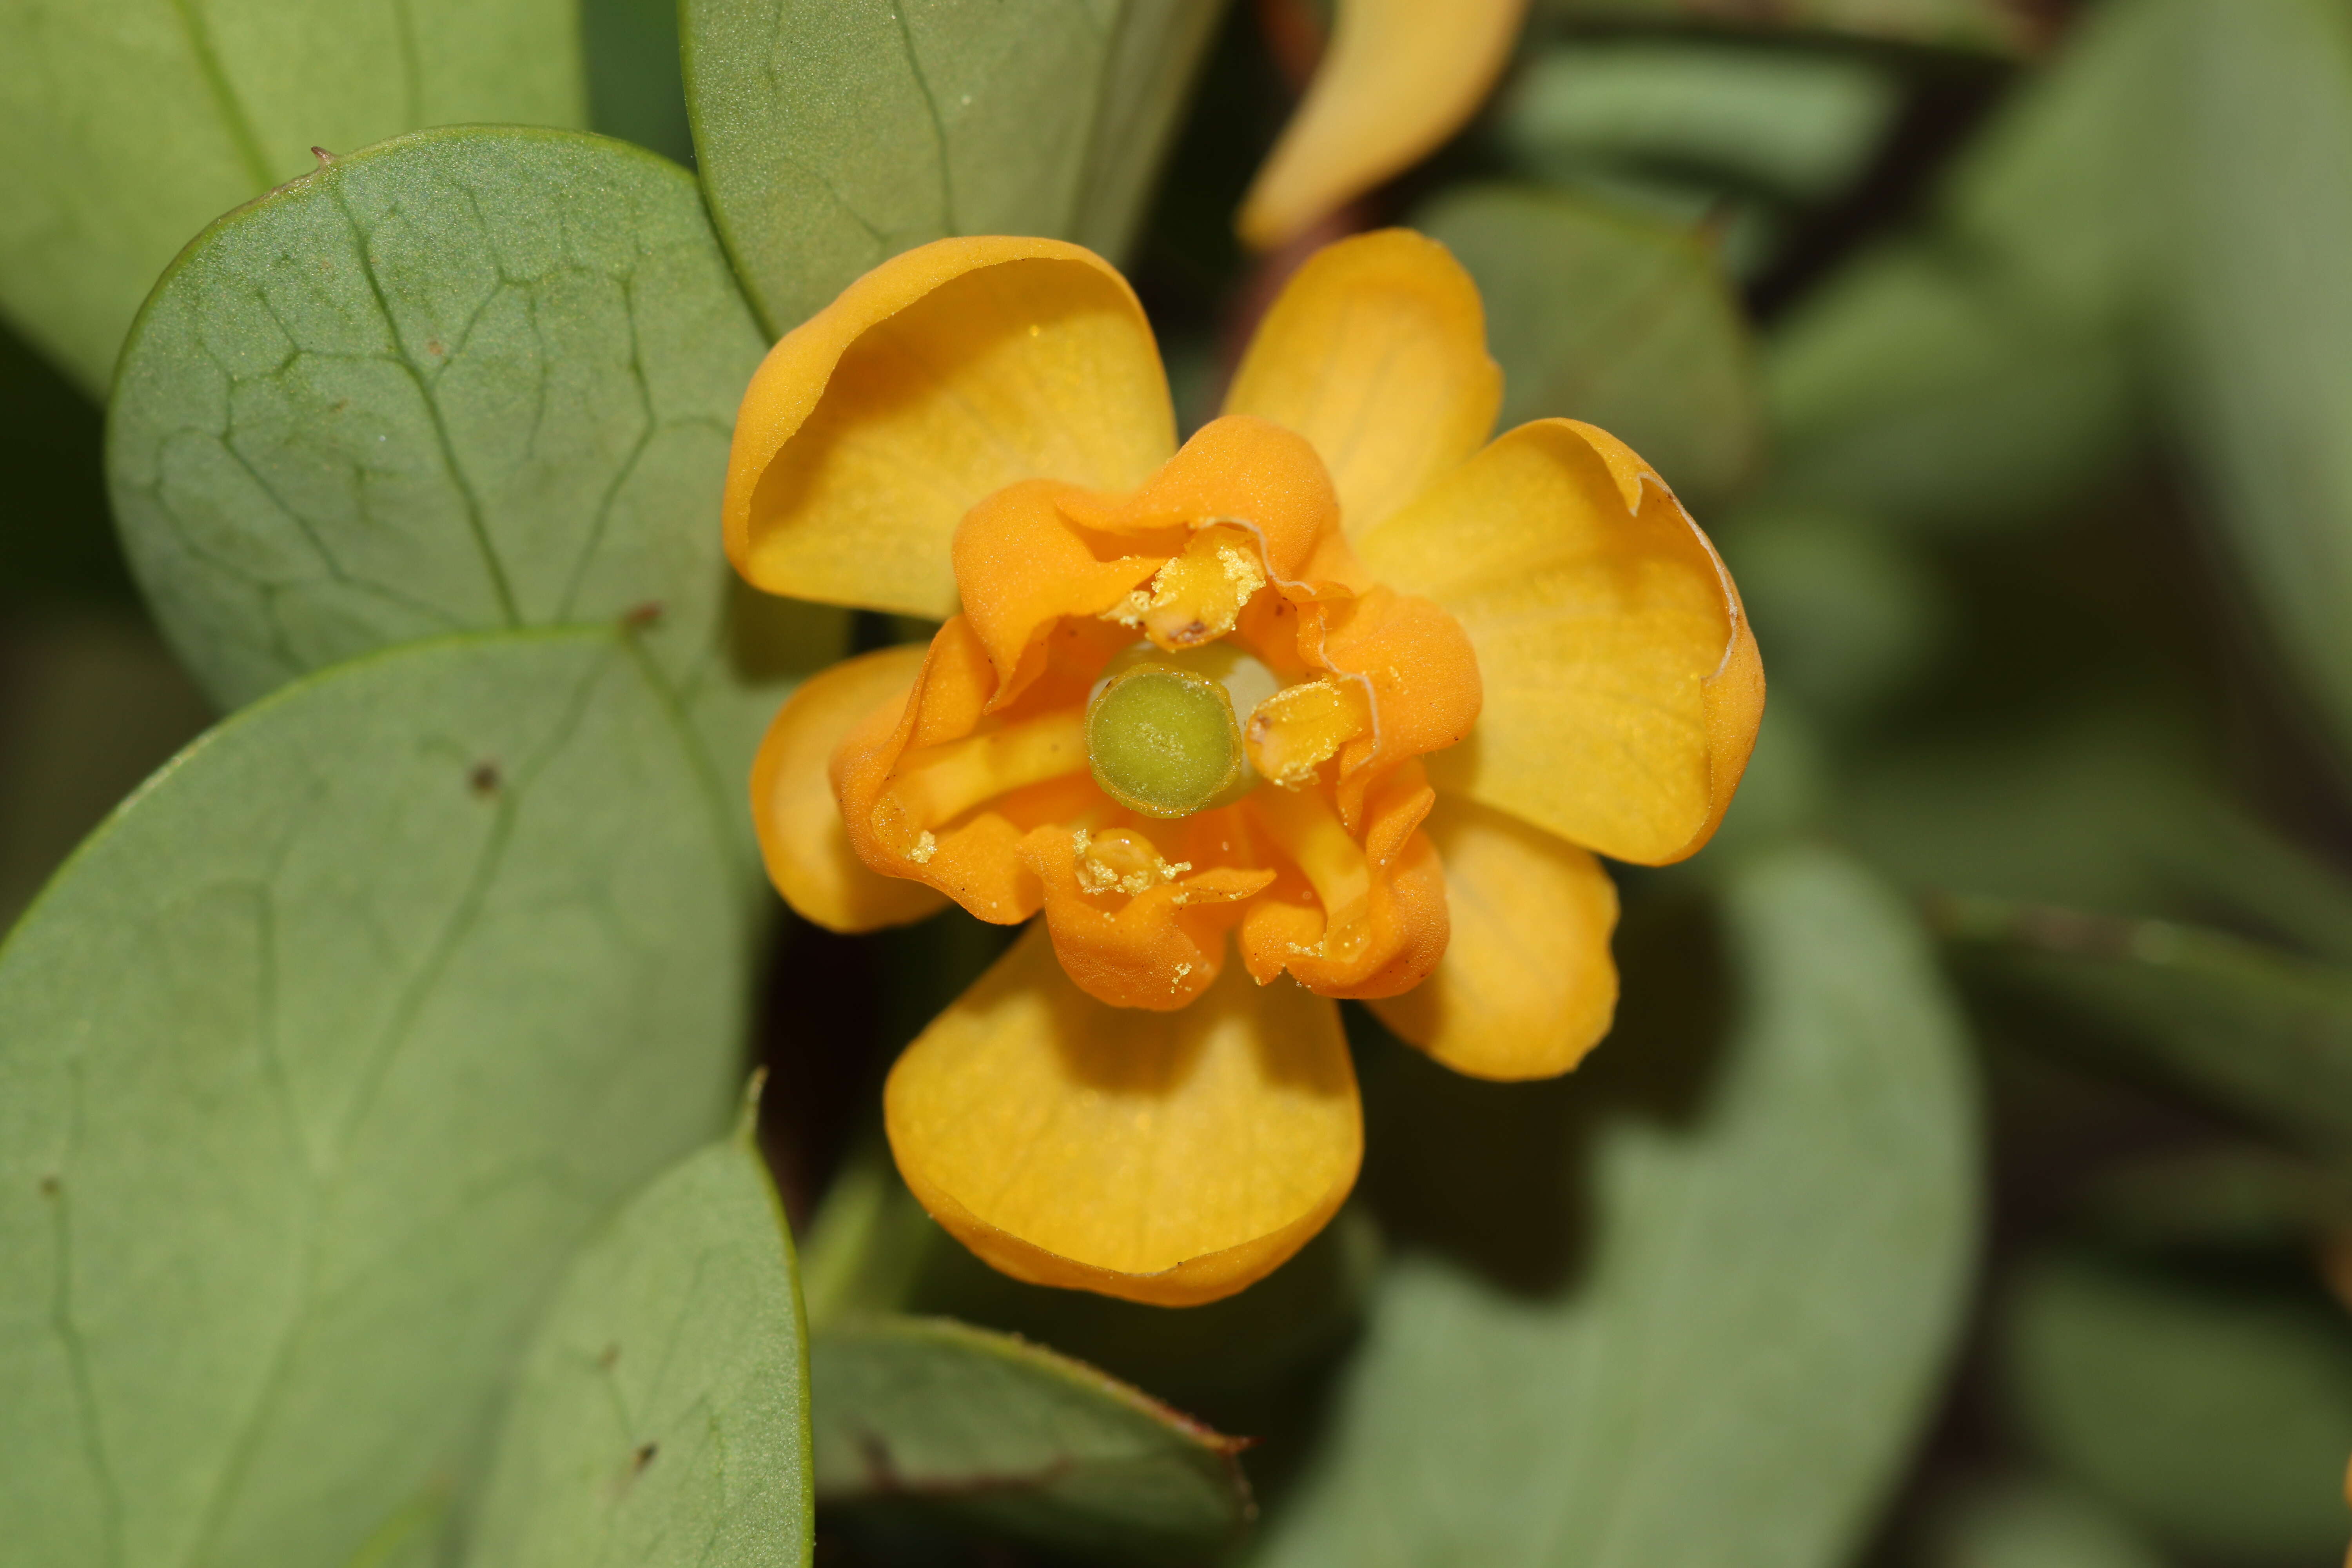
(1399,79)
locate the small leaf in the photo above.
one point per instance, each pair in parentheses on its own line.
(463,381)
(1798,125)
(662,1414)
(1610,318)
(316,1063)
(2256,183)
(1759,1288)
(2218,1418)
(1014,1438)
(2031,1525)
(832,137)
(127,125)
(2110,805)
(2259,1029)
(1915,386)
(1993,26)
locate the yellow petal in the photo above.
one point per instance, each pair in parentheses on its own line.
(1401,76)
(937,378)
(1528,984)
(796,813)
(1622,688)
(1376,353)
(1163,1157)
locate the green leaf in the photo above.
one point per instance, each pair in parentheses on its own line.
(463,381)
(2020,1524)
(1851,612)
(2256,180)
(1921,386)
(315,1065)
(1993,26)
(2218,1418)
(832,137)
(2109,805)
(1610,318)
(127,125)
(663,1414)
(1799,125)
(1009,1436)
(1768,1256)
(2262,1030)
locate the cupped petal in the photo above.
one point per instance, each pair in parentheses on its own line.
(1400,77)
(1171,1158)
(937,378)
(1349,917)
(1419,669)
(1376,353)
(1237,468)
(944,791)
(793,811)
(1158,940)
(1527,986)
(1623,687)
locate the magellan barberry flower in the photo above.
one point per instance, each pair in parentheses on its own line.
(1336,701)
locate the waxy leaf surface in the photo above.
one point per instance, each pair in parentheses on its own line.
(463,381)
(316,1063)
(1012,1437)
(663,1414)
(832,137)
(1766,1285)
(128,125)
(1614,319)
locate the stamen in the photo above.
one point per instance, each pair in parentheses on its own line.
(1198,596)
(1300,727)
(1121,861)
(941,783)
(1308,830)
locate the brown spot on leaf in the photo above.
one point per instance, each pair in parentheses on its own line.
(484,779)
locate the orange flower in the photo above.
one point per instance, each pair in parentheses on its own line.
(1398,78)
(1338,687)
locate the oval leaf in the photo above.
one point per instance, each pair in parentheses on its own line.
(1767,1293)
(315,1065)
(127,125)
(832,137)
(1012,1437)
(463,381)
(663,1414)
(2218,1418)
(1614,319)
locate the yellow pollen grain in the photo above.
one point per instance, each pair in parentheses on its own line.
(925,848)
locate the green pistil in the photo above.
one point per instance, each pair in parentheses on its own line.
(1164,741)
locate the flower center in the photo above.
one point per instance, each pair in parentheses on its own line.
(1164,732)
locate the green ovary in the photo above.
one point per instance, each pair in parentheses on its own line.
(1164,741)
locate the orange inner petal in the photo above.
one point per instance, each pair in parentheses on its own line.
(981,783)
